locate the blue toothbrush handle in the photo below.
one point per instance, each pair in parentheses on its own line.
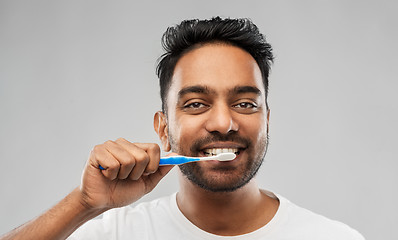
(176,160)
(173,160)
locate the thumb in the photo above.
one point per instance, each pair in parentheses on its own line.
(172,154)
(163,170)
(154,179)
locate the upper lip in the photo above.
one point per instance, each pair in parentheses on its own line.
(223,145)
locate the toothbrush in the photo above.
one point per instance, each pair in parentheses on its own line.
(177,160)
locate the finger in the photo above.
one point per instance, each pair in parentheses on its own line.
(140,155)
(101,157)
(125,159)
(153,150)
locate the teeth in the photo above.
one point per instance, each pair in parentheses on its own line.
(215,151)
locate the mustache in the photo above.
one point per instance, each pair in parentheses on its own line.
(218,137)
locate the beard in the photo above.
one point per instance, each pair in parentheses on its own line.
(222,178)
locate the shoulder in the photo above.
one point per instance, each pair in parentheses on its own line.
(302,220)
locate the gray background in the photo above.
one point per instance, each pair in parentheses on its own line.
(74,74)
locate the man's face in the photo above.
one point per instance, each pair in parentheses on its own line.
(216,103)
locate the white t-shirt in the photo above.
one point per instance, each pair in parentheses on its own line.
(162,219)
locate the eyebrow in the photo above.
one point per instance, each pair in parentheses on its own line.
(194,89)
(246,89)
(205,90)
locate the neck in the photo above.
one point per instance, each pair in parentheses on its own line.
(226,213)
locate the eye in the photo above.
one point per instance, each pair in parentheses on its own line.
(195,108)
(245,105)
(194,105)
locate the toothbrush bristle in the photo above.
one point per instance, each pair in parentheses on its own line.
(226,156)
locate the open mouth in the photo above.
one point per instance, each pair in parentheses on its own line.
(215,151)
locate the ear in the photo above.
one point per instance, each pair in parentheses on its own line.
(268,113)
(161,128)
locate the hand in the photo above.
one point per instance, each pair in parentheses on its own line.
(131,170)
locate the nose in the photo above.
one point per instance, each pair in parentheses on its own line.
(221,120)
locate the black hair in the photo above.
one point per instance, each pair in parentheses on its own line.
(187,35)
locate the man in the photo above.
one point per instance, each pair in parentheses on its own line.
(214,82)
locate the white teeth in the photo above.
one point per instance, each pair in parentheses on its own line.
(216,151)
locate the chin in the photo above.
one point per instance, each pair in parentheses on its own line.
(217,178)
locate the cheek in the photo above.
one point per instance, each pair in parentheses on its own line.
(254,126)
(185,129)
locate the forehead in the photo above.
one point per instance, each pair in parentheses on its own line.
(219,67)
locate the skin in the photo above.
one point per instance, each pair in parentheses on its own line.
(219,110)
(131,169)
